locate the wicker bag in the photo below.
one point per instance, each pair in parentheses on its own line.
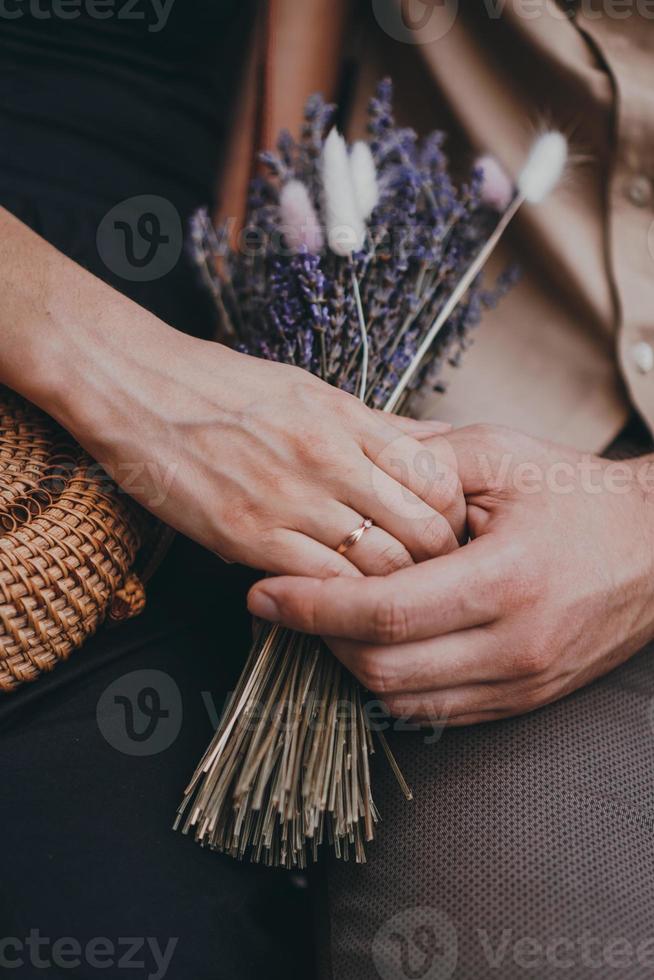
(69,539)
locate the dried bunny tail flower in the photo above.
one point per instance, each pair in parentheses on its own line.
(345,227)
(544,167)
(300,225)
(497,188)
(364,178)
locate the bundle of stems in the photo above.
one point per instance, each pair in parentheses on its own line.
(289,766)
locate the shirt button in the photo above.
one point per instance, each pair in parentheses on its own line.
(639,191)
(642,355)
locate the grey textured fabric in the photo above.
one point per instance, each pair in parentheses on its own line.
(528,850)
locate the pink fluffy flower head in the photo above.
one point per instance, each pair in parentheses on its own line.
(497,187)
(299,220)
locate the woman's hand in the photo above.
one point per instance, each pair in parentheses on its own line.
(262,462)
(257,461)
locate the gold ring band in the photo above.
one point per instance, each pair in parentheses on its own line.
(354,536)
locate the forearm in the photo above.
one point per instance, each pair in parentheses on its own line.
(71,344)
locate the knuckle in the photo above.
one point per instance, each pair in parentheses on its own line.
(390,622)
(330,568)
(533,660)
(449,487)
(313,450)
(392,559)
(436,535)
(374,675)
(243,514)
(336,405)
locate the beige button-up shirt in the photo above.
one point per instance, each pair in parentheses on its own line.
(570,352)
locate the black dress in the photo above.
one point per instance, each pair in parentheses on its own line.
(111,133)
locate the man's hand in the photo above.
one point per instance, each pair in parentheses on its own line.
(556,588)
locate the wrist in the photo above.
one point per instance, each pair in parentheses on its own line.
(106,366)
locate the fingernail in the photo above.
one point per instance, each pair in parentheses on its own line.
(262,605)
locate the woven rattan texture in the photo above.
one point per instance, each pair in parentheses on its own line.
(68,539)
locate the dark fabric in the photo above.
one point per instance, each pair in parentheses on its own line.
(135,91)
(87,847)
(96,112)
(528,850)
(92,112)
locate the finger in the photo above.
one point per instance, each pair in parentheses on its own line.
(455,592)
(416,428)
(444,708)
(466,657)
(422,530)
(483,701)
(486,455)
(375,553)
(433,716)
(428,469)
(288,552)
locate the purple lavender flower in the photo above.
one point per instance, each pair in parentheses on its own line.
(421,237)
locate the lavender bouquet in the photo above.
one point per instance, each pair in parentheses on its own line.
(362,265)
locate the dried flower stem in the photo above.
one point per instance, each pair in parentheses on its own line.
(365,349)
(289,766)
(453,301)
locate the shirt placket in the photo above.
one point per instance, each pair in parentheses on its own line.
(627,46)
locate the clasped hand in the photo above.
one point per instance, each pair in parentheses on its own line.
(554,589)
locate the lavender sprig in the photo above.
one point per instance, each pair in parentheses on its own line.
(364,266)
